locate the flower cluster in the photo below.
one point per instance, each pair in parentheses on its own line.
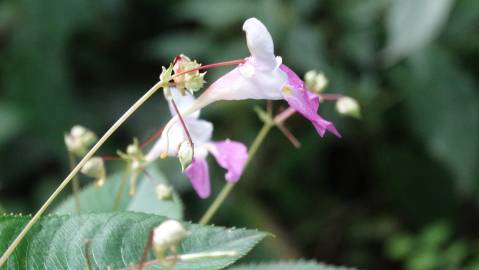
(263,76)
(229,154)
(186,136)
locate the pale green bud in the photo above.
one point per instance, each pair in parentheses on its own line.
(191,81)
(315,81)
(164,192)
(136,162)
(133,153)
(348,106)
(167,236)
(166,75)
(185,154)
(95,168)
(194,82)
(79,140)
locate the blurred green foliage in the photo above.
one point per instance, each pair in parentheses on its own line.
(432,248)
(412,160)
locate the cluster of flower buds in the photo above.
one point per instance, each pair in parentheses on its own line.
(136,162)
(191,81)
(315,81)
(95,168)
(166,238)
(79,139)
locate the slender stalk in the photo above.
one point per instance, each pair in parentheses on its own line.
(185,129)
(121,188)
(148,245)
(75,170)
(330,96)
(86,247)
(152,138)
(289,135)
(229,186)
(187,257)
(75,183)
(220,64)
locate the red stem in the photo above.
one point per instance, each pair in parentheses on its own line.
(184,126)
(108,158)
(330,96)
(148,245)
(153,137)
(220,64)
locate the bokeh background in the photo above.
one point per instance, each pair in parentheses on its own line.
(398,191)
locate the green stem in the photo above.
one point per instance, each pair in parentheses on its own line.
(75,170)
(121,189)
(229,186)
(75,183)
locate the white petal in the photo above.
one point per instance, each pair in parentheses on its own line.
(245,82)
(182,102)
(260,44)
(201,131)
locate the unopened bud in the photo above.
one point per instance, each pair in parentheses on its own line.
(166,237)
(348,106)
(134,155)
(166,75)
(164,192)
(95,168)
(134,149)
(315,81)
(191,81)
(185,154)
(79,140)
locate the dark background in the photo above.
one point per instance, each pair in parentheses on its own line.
(398,191)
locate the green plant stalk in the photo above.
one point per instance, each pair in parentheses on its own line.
(75,170)
(121,188)
(75,183)
(229,186)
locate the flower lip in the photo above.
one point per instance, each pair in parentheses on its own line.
(305,102)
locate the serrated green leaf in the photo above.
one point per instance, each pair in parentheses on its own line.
(95,199)
(116,240)
(301,265)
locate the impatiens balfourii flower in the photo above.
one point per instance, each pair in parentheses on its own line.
(229,154)
(263,76)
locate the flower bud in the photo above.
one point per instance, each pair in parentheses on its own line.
(95,168)
(166,75)
(315,81)
(164,192)
(166,237)
(348,106)
(79,140)
(136,162)
(191,81)
(134,155)
(185,154)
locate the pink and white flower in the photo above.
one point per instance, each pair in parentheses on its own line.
(231,155)
(263,76)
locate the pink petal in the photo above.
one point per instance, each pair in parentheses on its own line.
(199,177)
(232,156)
(306,103)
